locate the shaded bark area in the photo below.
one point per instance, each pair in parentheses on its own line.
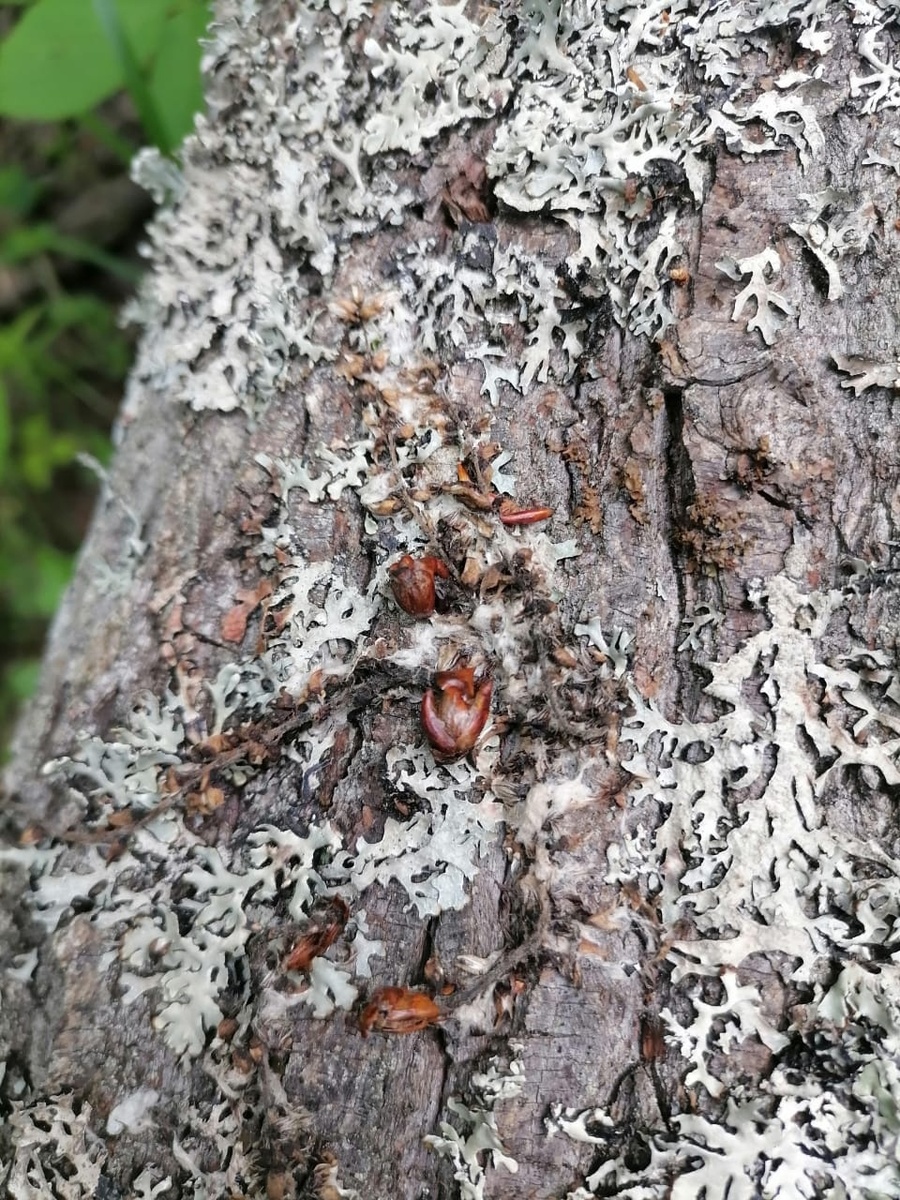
(686,470)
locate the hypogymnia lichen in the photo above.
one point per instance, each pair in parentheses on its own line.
(595,124)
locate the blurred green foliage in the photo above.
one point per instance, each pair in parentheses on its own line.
(64,57)
(63,356)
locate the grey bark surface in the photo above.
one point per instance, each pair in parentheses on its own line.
(716,461)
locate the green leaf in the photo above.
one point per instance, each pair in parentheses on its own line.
(18,193)
(175,82)
(107,12)
(109,137)
(42,450)
(33,576)
(20,678)
(25,243)
(57,63)
(14,337)
(5,431)
(52,571)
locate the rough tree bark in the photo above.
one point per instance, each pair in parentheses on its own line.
(634,262)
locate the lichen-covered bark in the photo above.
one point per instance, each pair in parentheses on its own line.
(629,262)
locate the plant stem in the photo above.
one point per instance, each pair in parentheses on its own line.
(108,17)
(109,137)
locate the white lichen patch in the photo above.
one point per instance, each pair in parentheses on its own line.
(698,625)
(317,139)
(615,648)
(124,771)
(60,883)
(441,59)
(56,1153)
(210,1152)
(880,87)
(435,853)
(834,226)
(188,953)
(770,308)
(147,1186)
(801,1137)
(475,1146)
(132,1111)
(749,859)
(599,133)
(334,473)
(865,373)
(787,114)
(323,621)
(185,955)
(230,304)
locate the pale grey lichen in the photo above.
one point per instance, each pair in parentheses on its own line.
(435,853)
(600,137)
(442,62)
(866,373)
(132,1111)
(744,862)
(785,113)
(771,308)
(61,881)
(158,175)
(883,79)
(325,619)
(477,1145)
(616,647)
(188,955)
(599,134)
(210,1151)
(124,771)
(799,1137)
(699,624)
(56,1151)
(835,225)
(146,1187)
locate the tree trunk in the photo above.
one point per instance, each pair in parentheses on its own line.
(427,271)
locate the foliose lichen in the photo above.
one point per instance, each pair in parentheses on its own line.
(600,136)
(476,1145)
(745,862)
(305,151)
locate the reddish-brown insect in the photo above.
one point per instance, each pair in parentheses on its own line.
(510,515)
(398,1010)
(317,939)
(454,715)
(412,582)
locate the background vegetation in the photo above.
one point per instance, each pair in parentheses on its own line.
(83,85)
